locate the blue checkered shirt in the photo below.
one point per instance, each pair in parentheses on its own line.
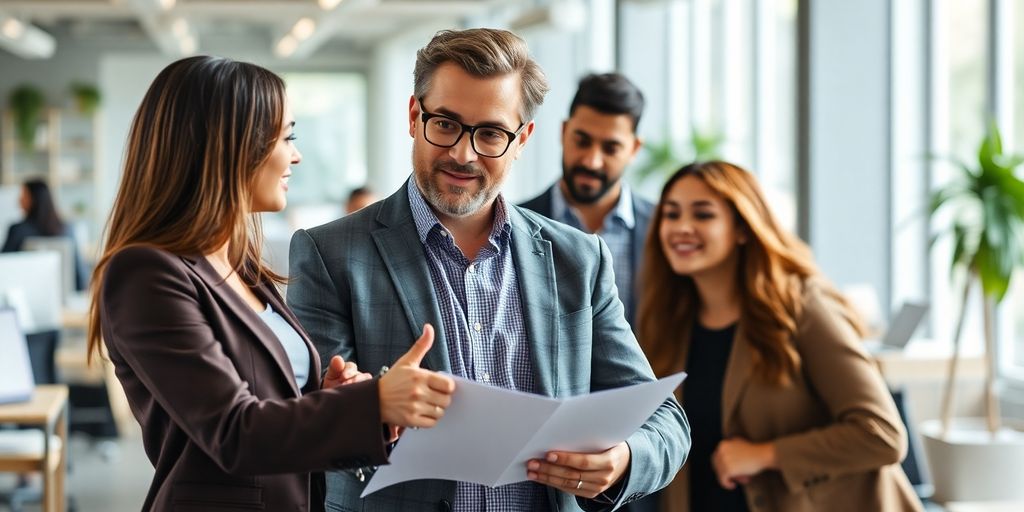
(617,233)
(484,330)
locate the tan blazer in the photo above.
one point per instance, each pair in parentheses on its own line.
(836,430)
(222,420)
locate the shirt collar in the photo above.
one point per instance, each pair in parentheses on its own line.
(426,220)
(623,210)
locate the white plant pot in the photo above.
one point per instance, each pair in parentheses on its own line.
(969,464)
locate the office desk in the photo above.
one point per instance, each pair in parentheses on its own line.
(48,409)
(921,371)
(73,367)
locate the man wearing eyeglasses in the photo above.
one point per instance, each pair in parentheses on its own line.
(599,141)
(517,300)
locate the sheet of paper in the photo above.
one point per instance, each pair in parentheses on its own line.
(488,433)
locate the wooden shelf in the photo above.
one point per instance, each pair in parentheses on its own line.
(69,161)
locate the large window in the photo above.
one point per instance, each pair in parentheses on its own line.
(959,48)
(330,126)
(976,74)
(719,69)
(1016,142)
(330,123)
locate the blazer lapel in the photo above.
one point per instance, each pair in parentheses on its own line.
(234,303)
(737,375)
(398,243)
(535,269)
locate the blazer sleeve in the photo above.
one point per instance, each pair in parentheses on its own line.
(154,323)
(661,445)
(865,431)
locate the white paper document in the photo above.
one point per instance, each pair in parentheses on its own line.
(488,434)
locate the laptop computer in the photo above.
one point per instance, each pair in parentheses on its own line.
(16,380)
(901,329)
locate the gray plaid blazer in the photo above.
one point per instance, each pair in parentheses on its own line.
(361,288)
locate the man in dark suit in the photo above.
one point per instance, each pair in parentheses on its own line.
(598,141)
(518,300)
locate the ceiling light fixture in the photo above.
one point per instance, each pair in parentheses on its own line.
(24,39)
(303,29)
(180,28)
(329,4)
(12,28)
(286,46)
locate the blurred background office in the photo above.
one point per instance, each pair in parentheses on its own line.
(850,113)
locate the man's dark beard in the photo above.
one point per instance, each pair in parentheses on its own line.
(587,196)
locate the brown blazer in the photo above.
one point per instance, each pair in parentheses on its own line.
(836,430)
(222,420)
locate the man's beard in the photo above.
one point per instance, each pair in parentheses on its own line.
(465,202)
(585,195)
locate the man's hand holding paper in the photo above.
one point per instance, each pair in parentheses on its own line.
(582,474)
(499,432)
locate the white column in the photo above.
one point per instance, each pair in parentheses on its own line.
(848,141)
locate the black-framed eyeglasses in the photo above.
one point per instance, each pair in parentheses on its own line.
(487,141)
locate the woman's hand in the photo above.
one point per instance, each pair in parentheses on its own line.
(736,460)
(411,396)
(340,373)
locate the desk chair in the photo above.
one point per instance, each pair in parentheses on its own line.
(914,464)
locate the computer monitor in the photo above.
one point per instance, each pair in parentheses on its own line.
(34,278)
(903,325)
(16,380)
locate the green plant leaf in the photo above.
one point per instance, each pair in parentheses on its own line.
(26,103)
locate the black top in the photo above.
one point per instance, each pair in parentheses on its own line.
(702,400)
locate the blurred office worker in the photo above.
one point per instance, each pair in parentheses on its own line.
(519,301)
(42,220)
(599,141)
(217,370)
(358,199)
(789,413)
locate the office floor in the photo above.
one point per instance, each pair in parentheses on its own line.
(105,477)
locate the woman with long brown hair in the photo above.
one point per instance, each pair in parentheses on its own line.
(788,412)
(223,380)
(42,219)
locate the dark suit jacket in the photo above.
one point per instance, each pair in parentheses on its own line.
(362,287)
(15,241)
(836,430)
(642,211)
(222,420)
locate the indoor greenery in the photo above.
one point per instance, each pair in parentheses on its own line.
(26,103)
(664,158)
(87,97)
(986,201)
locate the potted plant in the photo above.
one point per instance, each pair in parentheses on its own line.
(87,97)
(663,158)
(26,103)
(971,459)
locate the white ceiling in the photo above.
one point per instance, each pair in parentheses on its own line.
(355,23)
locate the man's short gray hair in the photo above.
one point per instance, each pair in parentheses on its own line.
(483,52)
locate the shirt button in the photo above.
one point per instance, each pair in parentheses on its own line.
(486,377)
(444,233)
(472,268)
(477,326)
